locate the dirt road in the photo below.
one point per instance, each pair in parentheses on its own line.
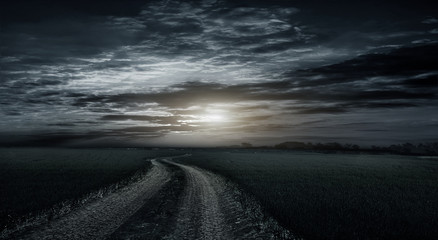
(172,201)
(213,208)
(200,216)
(99,219)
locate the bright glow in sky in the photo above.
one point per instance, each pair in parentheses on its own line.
(161,71)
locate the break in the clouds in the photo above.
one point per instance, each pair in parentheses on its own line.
(216,72)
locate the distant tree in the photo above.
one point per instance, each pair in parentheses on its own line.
(319,146)
(406,148)
(348,146)
(333,146)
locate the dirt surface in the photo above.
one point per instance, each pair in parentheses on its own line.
(200,216)
(213,208)
(172,201)
(99,219)
(158,215)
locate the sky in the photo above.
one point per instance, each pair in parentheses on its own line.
(216,72)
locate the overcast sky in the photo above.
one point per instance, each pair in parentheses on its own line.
(209,73)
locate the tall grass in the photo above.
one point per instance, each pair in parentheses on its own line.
(337,196)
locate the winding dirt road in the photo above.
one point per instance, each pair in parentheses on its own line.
(206,206)
(200,216)
(99,219)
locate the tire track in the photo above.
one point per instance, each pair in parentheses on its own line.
(200,216)
(213,208)
(191,203)
(158,214)
(99,219)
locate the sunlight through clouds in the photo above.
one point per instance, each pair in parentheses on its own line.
(225,67)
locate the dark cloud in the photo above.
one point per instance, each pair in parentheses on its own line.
(38,10)
(404,75)
(153,119)
(409,63)
(148,69)
(352,106)
(62,124)
(324,110)
(159,129)
(194,97)
(256,128)
(408,60)
(427,81)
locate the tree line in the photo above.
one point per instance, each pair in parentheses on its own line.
(428,149)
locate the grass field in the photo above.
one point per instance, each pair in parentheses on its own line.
(35,181)
(336,196)
(316,196)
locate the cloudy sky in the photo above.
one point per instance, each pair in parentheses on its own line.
(216,72)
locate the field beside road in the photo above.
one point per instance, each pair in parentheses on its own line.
(37,184)
(336,196)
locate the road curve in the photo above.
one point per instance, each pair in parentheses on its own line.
(172,201)
(213,208)
(99,219)
(200,216)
